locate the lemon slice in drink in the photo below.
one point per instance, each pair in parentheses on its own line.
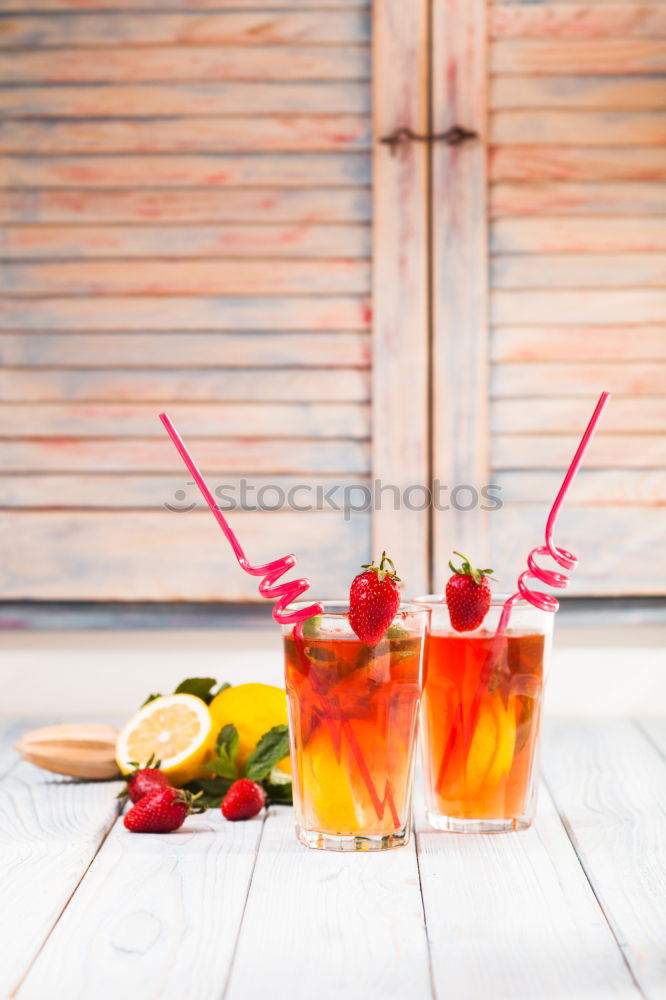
(176,729)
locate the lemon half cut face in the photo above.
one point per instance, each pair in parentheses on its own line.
(175,729)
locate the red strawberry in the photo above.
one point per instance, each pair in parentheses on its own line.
(467,595)
(244,800)
(145,779)
(161,811)
(374,598)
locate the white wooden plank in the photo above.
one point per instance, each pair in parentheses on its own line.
(154,912)
(578,198)
(400,280)
(194,420)
(298,239)
(625,565)
(581,163)
(536,379)
(50,830)
(581,128)
(243,454)
(281,133)
(186,312)
(150,491)
(185,62)
(459,418)
(205,204)
(176,277)
(95,5)
(655,730)
(568,414)
(514,916)
(251,170)
(579,343)
(577,20)
(630,305)
(614,93)
(546,234)
(340,925)
(608,784)
(607,451)
(578,56)
(164,555)
(240,385)
(591,488)
(578,271)
(165,100)
(227,27)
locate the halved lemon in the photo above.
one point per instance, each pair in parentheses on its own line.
(176,729)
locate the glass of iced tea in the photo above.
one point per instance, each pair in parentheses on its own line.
(480,718)
(353,717)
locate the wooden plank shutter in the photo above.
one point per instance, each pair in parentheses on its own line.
(577,284)
(186,202)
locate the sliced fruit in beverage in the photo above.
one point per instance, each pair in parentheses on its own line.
(326,786)
(176,729)
(491,750)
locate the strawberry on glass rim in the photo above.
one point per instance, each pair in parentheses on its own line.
(468,595)
(374,599)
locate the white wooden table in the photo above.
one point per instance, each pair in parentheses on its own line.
(574,908)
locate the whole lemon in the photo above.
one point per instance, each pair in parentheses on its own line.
(253,709)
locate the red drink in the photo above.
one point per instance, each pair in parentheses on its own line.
(481,714)
(353,712)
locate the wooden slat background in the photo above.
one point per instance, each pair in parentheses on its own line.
(577,163)
(185,199)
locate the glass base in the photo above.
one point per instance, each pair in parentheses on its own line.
(454,825)
(349,842)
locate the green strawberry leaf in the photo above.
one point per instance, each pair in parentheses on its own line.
(226,749)
(271,748)
(151,697)
(200,687)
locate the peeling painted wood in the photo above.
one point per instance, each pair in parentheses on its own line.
(575,198)
(576,163)
(576,379)
(222,240)
(577,20)
(626,305)
(578,234)
(612,93)
(579,128)
(579,271)
(185,63)
(571,56)
(578,343)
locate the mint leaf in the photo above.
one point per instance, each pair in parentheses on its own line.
(278,787)
(151,697)
(271,748)
(226,749)
(397,631)
(213,789)
(201,687)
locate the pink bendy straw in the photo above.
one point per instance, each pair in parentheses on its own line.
(272,571)
(565,559)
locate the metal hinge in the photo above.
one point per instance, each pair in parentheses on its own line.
(454,136)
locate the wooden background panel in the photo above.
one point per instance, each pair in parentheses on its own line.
(592,487)
(228,204)
(585,128)
(242,171)
(154,491)
(578,271)
(632,305)
(187,385)
(187,199)
(584,57)
(95,5)
(163,555)
(177,277)
(615,93)
(577,379)
(236,454)
(181,64)
(567,414)
(572,198)
(184,348)
(555,451)
(296,239)
(579,343)
(226,27)
(576,163)
(615,546)
(574,20)
(194,420)
(578,235)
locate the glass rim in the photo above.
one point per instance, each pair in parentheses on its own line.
(340,609)
(496,601)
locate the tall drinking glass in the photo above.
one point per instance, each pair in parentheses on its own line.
(481,714)
(353,717)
